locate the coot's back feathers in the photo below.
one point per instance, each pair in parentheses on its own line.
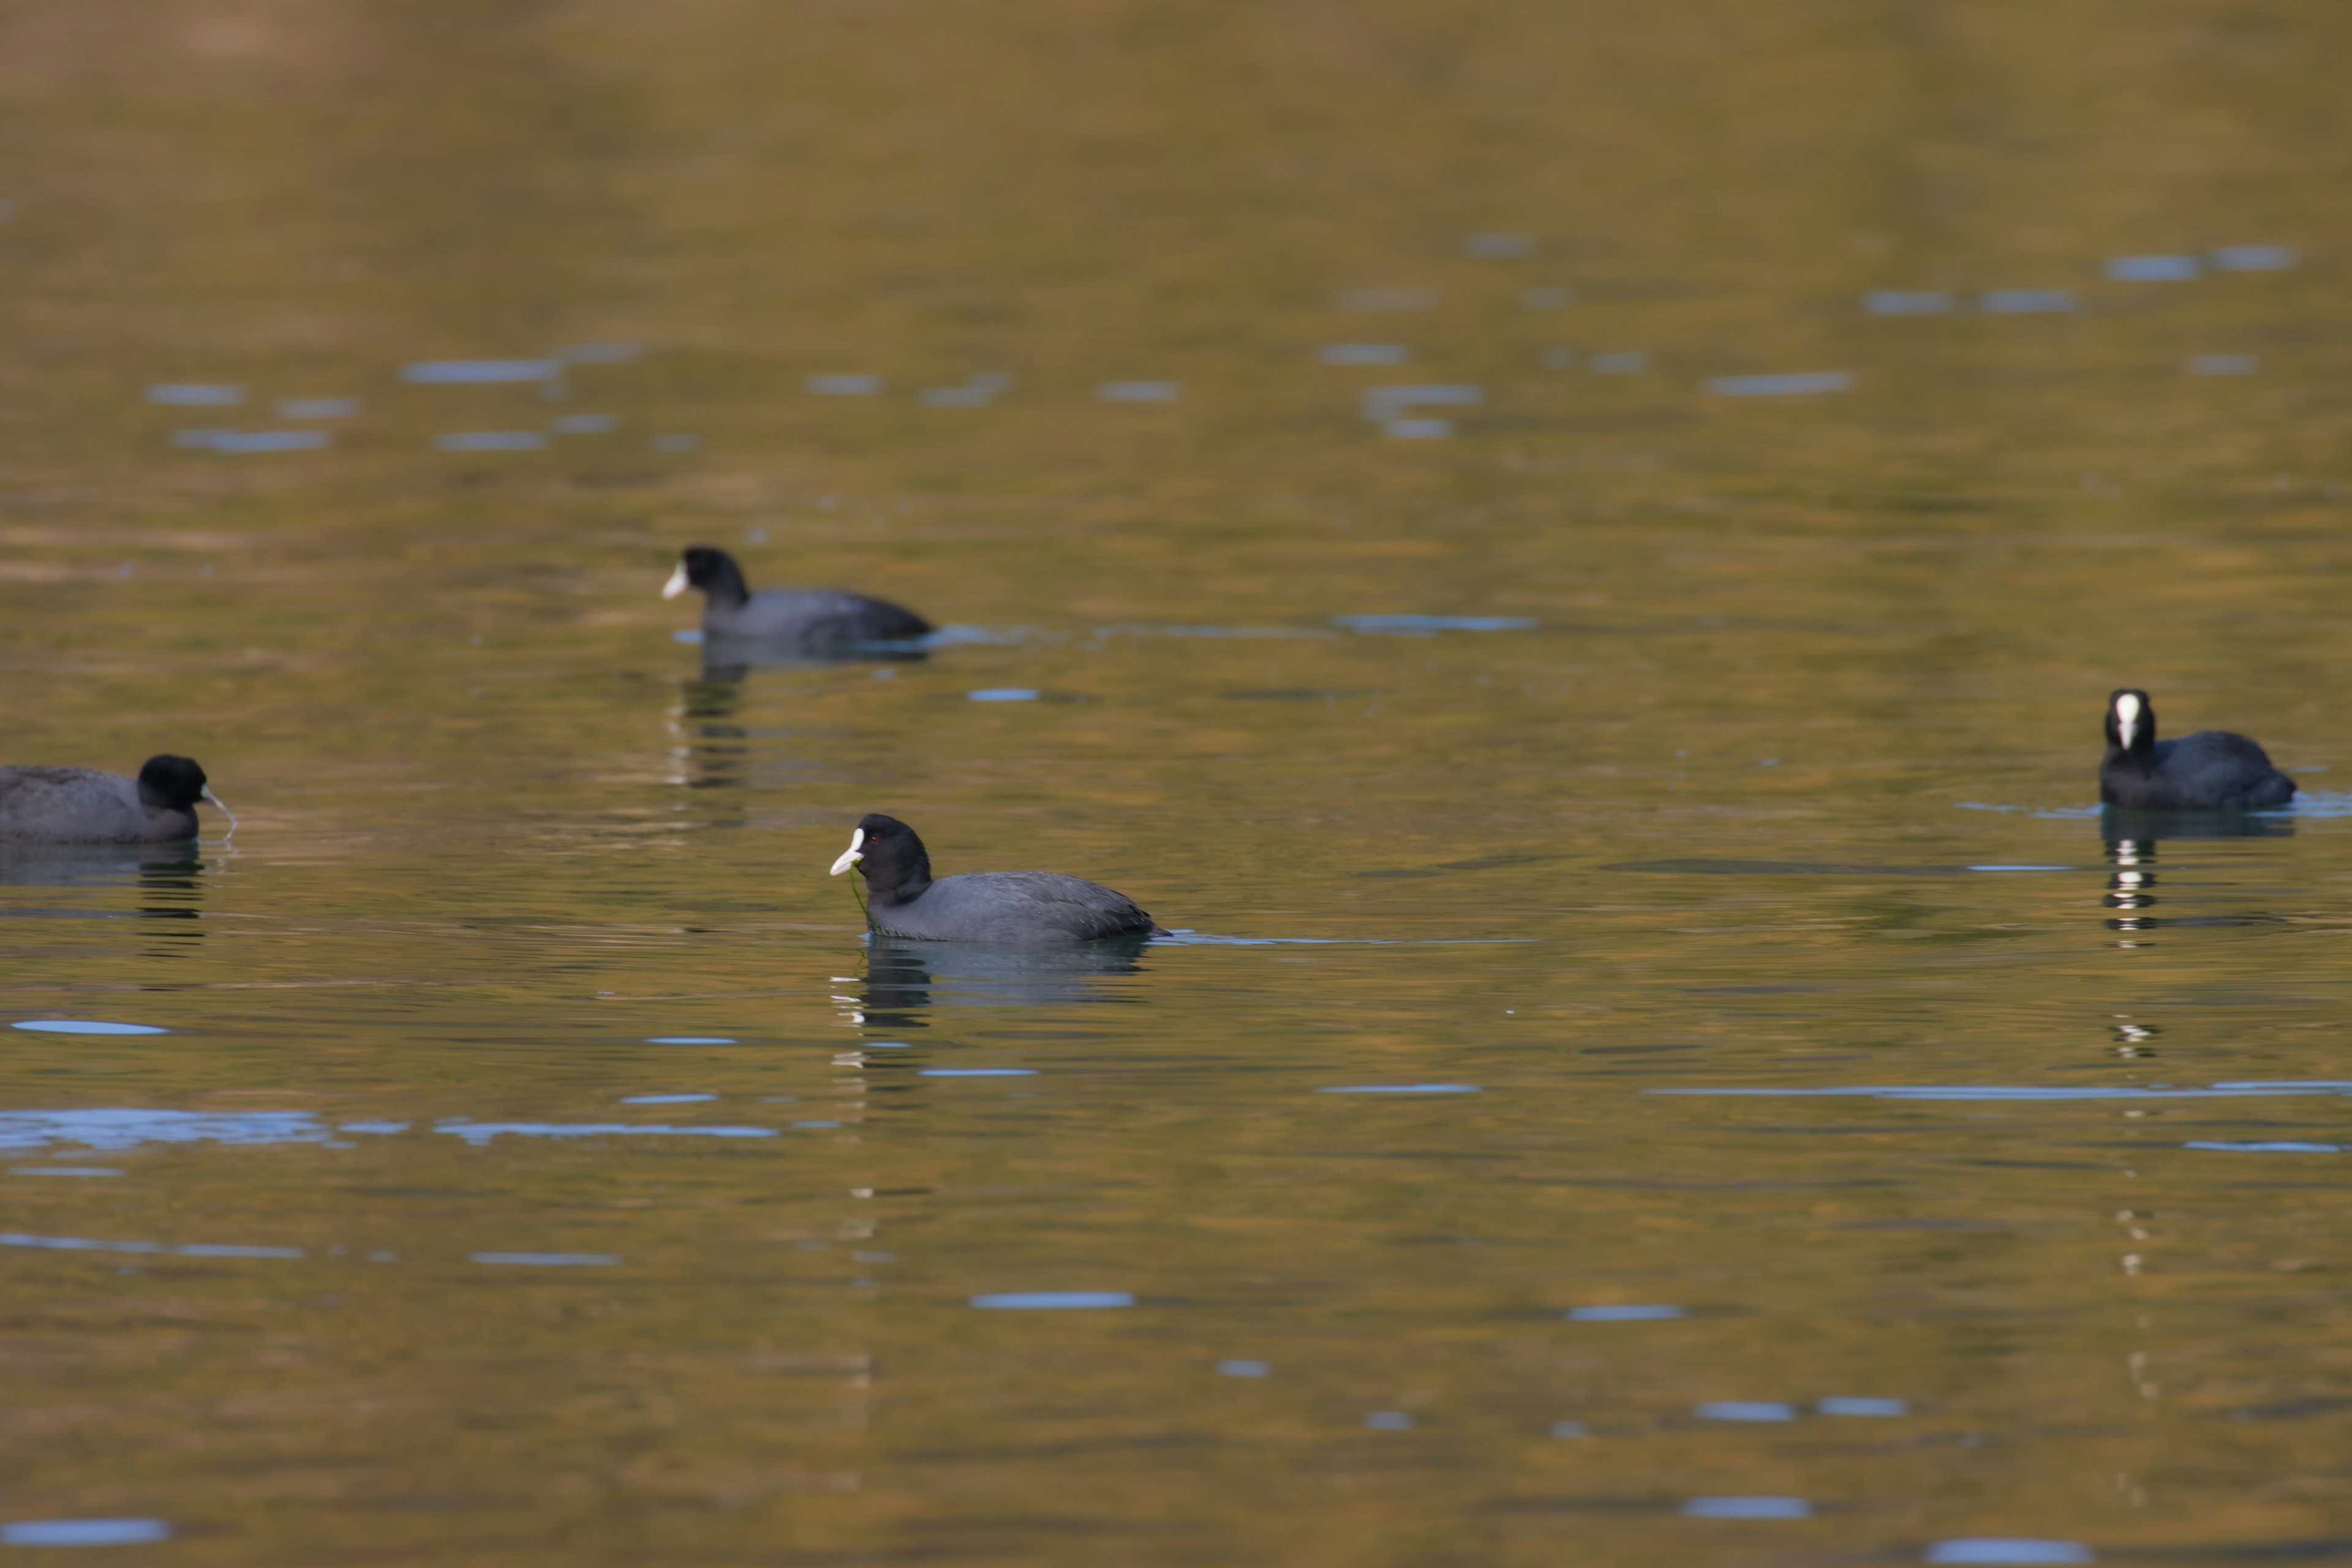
(812,616)
(82,805)
(1014,906)
(980,906)
(2212,770)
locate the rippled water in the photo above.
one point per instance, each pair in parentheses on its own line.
(1572,557)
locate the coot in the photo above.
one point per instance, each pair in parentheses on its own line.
(978,906)
(82,805)
(2212,770)
(731,611)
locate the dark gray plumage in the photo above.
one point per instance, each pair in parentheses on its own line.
(980,906)
(2212,770)
(731,612)
(82,805)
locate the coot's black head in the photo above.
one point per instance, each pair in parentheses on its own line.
(889,856)
(2131,722)
(712,571)
(170,784)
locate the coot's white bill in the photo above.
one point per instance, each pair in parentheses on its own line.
(677,584)
(850,856)
(207,793)
(2127,717)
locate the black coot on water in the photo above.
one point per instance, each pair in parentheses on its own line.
(978,906)
(82,805)
(2212,770)
(731,612)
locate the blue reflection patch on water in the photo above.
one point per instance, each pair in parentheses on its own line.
(1908,302)
(690,1040)
(477,372)
(1622,1314)
(491,441)
(62,1170)
(689,634)
(83,1532)
(84,1026)
(2278,1147)
(548,1259)
(1744,1410)
(129,1127)
(2254,257)
(189,1250)
(2034,1092)
(980,1072)
(480,1132)
(1569,1429)
(2024,301)
(2153,269)
(664,1098)
(1054,1301)
(252,440)
(1402,1088)
(1388,1421)
(1846,1405)
(1748,1508)
(194,394)
(232,1250)
(1239,1368)
(118,1128)
(1139,392)
(2007,1549)
(1427,626)
(2319,803)
(1004,694)
(1797,383)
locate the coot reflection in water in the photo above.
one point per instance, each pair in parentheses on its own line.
(2132,839)
(166,875)
(2121,826)
(733,659)
(905,978)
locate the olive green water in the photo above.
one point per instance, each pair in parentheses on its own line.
(392,1258)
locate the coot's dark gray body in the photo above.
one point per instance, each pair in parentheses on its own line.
(814,616)
(1010,906)
(2212,770)
(903,901)
(82,805)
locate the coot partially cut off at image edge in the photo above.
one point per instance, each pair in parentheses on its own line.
(82,805)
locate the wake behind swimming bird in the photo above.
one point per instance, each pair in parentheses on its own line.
(978,906)
(731,611)
(82,805)
(2212,770)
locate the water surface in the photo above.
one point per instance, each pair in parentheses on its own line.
(1651,968)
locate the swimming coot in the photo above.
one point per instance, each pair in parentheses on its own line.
(82,805)
(2212,770)
(978,906)
(731,611)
